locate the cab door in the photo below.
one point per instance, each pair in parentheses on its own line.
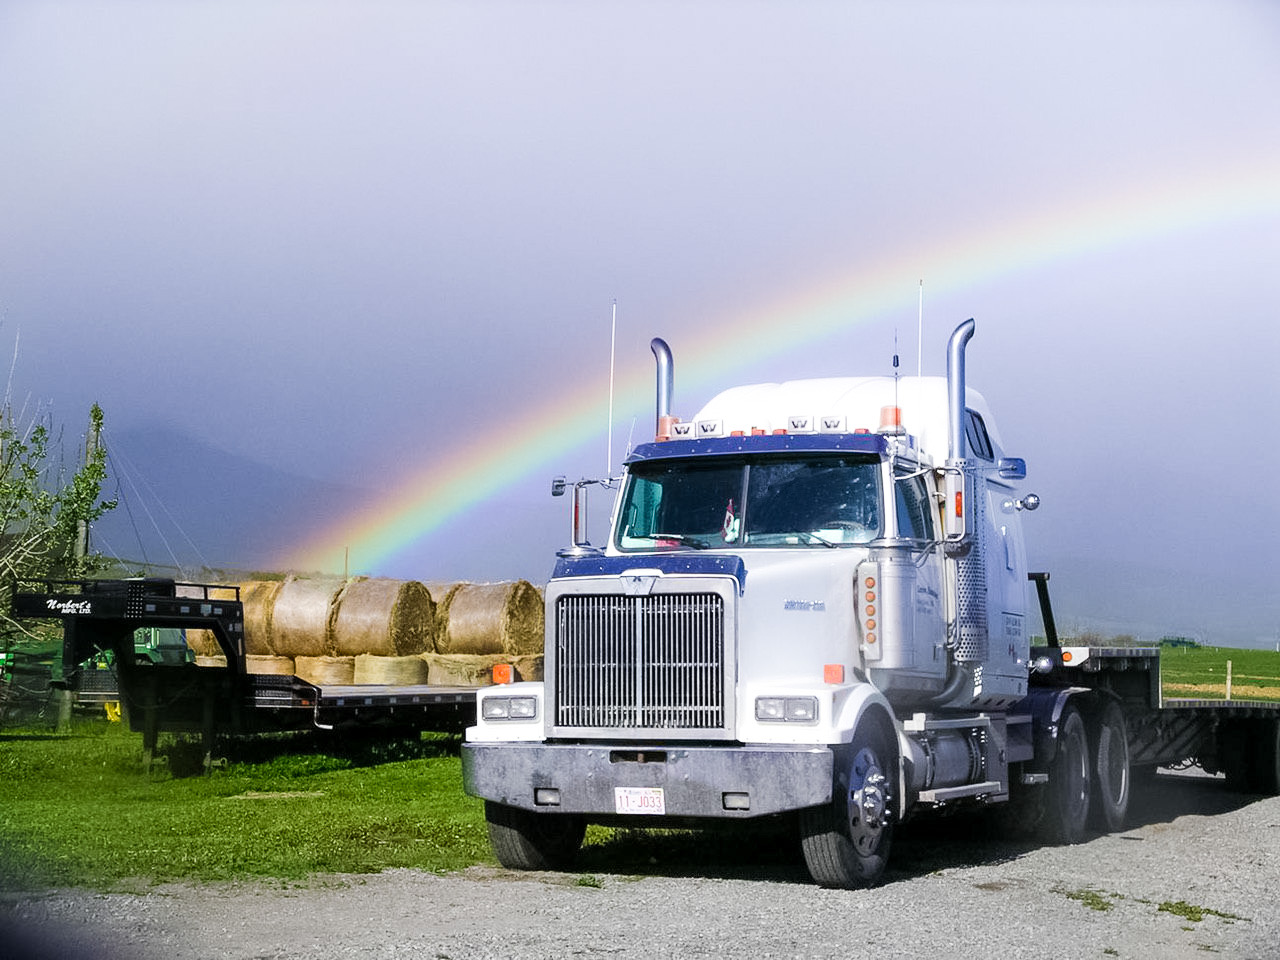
(914,504)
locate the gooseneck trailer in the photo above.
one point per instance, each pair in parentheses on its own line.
(103,618)
(814,601)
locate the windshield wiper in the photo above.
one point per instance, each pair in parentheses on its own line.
(814,538)
(682,539)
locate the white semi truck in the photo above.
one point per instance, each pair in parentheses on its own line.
(814,602)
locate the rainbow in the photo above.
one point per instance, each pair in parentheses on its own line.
(485,464)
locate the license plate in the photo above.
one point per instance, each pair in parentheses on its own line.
(648,800)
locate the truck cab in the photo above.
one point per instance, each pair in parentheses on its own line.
(812,600)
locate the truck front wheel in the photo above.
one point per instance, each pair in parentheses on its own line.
(1066,801)
(846,842)
(523,840)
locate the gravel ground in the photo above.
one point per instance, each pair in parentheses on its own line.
(950,892)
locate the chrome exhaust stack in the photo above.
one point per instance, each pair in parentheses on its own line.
(665,387)
(956,447)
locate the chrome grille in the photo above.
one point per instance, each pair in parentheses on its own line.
(640,662)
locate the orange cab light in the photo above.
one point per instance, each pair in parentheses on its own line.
(779,432)
(833,673)
(735,433)
(503,673)
(871,638)
(757,431)
(871,610)
(871,595)
(959,503)
(871,624)
(890,417)
(870,581)
(1066,656)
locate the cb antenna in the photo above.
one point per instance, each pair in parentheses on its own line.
(895,366)
(613,341)
(920,334)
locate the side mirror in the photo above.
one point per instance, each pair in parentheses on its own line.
(558,486)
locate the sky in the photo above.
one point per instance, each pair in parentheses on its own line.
(380,247)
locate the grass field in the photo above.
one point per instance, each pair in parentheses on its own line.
(1201,672)
(78,809)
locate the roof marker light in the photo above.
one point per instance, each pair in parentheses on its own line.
(891,420)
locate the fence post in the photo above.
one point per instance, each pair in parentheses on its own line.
(1228,679)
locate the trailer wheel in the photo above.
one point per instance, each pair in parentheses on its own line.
(1111,768)
(1265,776)
(523,840)
(1066,801)
(846,842)
(1235,755)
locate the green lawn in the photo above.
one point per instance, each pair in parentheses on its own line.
(1201,672)
(79,810)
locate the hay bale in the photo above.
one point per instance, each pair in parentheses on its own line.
(386,618)
(491,618)
(390,671)
(203,644)
(476,670)
(259,663)
(326,671)
(259,600)
(302,617)
(203,660)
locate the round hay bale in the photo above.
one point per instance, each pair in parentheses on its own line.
(259,663)
(390,671)
(259,600)
(476,670)
(387,618)
(302,617)
(490,618)
(210,661)
(440,589)
(325,671)
(203,644)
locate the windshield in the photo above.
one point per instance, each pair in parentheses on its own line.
(767,501)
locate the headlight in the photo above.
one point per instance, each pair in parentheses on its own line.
(793,709)
(509,708)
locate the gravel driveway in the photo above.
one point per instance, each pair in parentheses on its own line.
(1212,858)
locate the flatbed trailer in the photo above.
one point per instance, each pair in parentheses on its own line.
(100,617)
(1238,738)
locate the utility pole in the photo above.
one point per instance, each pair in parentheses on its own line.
(92,441)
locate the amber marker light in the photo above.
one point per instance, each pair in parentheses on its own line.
(503,673)
(833,673)
(1066,656)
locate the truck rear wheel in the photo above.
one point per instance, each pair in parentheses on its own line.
(846,842)
(1111,767)
(1067,796)
(523,840)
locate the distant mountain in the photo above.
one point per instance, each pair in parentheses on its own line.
(186,503)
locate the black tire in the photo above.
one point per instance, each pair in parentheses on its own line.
(846,842)
(1265,772)
(1068,793)
(1112,774)
(524,840)
(1236,755)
